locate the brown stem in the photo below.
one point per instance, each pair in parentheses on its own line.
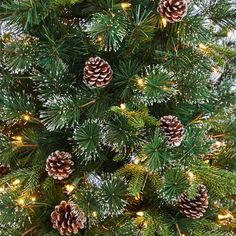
(218,136)
(178,230)
(29,230)
(88,103)
(198,117)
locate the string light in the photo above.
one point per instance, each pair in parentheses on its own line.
(69,188)
(226,216)
(2,189)
(100,38)
(136,161)
(164,22)
(125,5)
(230,34)
(18,140)
(16,182)
(122,106)
(140,213)
(190,175)
(33,199)
(141,82)
(202,47)
(26,117)
(94,214)
(145,224)
(165,88)
(21,201)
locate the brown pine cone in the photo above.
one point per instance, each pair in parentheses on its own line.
(66,220)
(173,10)
(59,165)
(97,72)
(194,208)
(4,170)
(173,130)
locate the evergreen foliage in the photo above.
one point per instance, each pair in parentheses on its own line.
(125,179)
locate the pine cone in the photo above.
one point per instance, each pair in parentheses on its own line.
(173,130)
(66,220)
(194,208)
(97,72)
(4,170)
(59,165)
(173,10)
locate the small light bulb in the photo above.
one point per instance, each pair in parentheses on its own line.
(145,224)
(190,175)
(2,189)
(122,106)
(136,161)
(202,47)
(230,34)
(94,214)
(69,188)
(140,82)
(164,22)
(215,69)
(16,182)
(26,117)
(21,201)
(33,199)
(125,5)
(100,38)
(227,216)
(140,213)
(165,88)
(18,140)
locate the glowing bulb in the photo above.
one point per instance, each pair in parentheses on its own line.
(94,214)
(21,201)
(33,199)
(227,216)
(190,175)
(164,22)
(202,47)
(125,5)
(230,34)
(17,140)
(136,161)
(140,213)
(137,197)
(215,69)
(165,88)
(69,188)
(26,117)
(2,189)
(140,83)
(145,225)
(16,182)
(122,106)
(100,38)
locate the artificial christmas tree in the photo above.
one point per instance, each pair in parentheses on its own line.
(126,91)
